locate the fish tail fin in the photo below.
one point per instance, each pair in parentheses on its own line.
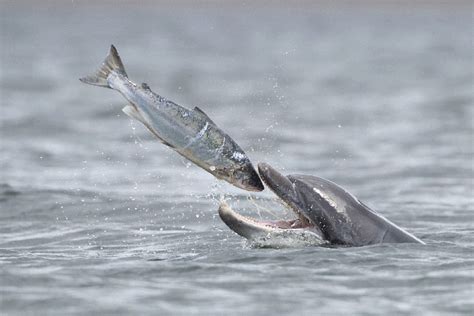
(111,63)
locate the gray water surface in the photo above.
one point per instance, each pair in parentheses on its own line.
(97,217)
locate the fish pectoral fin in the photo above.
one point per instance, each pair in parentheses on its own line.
(203,115)
(133,113)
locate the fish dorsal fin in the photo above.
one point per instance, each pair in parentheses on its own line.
(203,115)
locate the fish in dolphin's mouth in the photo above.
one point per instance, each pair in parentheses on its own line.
(274,233)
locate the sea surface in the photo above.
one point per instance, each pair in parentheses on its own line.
(98,218)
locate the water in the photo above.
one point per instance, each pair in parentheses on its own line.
(97,217)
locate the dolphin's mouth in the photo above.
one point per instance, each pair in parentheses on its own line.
(272,233)
(235,221)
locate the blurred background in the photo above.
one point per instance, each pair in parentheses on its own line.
(98,217)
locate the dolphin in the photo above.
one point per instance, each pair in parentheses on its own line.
(327,215)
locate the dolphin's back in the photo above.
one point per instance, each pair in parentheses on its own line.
(342,217)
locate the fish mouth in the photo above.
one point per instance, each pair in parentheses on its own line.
(252,228)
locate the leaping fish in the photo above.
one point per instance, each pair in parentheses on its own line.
(189,132)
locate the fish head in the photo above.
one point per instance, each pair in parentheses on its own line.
(245,177)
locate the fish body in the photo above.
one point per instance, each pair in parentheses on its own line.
(189,132)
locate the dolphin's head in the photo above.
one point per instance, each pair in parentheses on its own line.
(281,233)
(325,214)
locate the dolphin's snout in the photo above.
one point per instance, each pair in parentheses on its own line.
(277,182)
(271,177)
(263,167)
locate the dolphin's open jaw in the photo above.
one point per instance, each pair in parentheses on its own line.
(266,233)
(242,224)
(299,230)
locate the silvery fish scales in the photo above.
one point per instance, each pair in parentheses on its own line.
(189,132)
